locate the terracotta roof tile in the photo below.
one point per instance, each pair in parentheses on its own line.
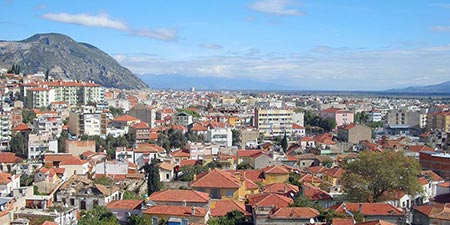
(125,204)
(125,118)
(180,196)
(275,170)
(217,179)
(280,188)
(9,157)
(269,199)
(370,209)
(314,193)
(223,206)
(342,221)
(375,222)
(295,213)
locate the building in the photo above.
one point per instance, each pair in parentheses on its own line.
(274,122)
(124,122)
(38,145)
(354,133)
(5,130)
(438,121)
(220,136)
(409,118)
(88,121)
(39,97)
(144,113)
(141,131)
(375,116)
(123,209)
(437,162)
(342,117)
(182,118)
(48,123)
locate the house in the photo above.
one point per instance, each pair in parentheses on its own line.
(143,153)
(291,215)
(221,136)
(265,203)
(181,198)
(220,207)
(48,175)
(124,122)
(76,166)
(316,195)
(84,194)
(117,170)
(373,211)
(285,189)
(38,145)
(177,215)
(122,209)
(180,155)
(76,147)
(354,133)
(9,161)
(8,182)
(333,176)
(298,130)
(431,214)
(341,116)
(275,174)
(222,184)
(437,162)
(182,118)
(166,172)
(257,159)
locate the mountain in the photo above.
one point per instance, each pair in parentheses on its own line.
(183,82)
(67,59)
(437,88)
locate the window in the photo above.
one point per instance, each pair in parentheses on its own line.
(229,193)
(167,176)
(184,222)
(154,220)
(72,201)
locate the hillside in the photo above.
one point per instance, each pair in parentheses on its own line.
(437,88)
(67,59)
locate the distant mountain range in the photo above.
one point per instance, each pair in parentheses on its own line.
(67,59)
(184,82)
(437,88)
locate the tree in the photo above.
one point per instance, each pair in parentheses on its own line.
(284,143)
(139,220)
(19,143)
(361,117)
(28,116)
(46,74)
(188,172)
(231,218)
(236,137)
(373,175)
(100,215)
(115,111)
(62,141)
(152,175)
(244,166)
(129,195)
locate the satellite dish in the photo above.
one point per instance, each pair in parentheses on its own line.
(311,220)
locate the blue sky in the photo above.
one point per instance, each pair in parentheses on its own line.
(314,45)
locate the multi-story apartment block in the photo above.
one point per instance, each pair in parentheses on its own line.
(145,113)
(274,122)
(88,121)
(70,92)
(342,117)
(38,145)
(39,97)
(48,123)
(5,130)
(375,115)
(438,121)
(409,118)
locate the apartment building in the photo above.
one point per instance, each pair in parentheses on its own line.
(438,121)
(400,117)
(341,116)
(274,122)
(88,121)
(39,97)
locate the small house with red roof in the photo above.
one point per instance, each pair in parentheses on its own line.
(285,189)
(181,198)
(143,153)
(275,174)
(123,209)
(9,161)
(372,211)
(124,122)
(431,214)
(298,130)
(257,159)
(220,207)
(316,195)
(292,215)
(8,182)
(175,214)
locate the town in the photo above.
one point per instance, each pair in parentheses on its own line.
(74,152)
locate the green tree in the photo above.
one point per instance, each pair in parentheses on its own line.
(139,220)
(231,218)
(62,141)
(284,143)
(28,116)
(100,215)
(244,166)
(361,117)
(301,201)
(236,137)
(19,143)
(375,174)
(115,111)
(129,195)
(152,175)
(188,172)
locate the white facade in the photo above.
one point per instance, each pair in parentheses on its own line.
(39,97)
(38,145)
(48,124)
(274,122)
(220,136)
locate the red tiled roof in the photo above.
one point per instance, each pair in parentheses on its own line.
(342,221)
(57,157)
(181,153)
(432,175)
(280,188)
(423,180)
(125,118)
(223,206)
(217,179)
(253,175)
(295,213)
(188,162)
(275,170)
(249,153)
(9,157)
(375,222)
(125,204)
(335,172)
(347,126)
(314,193)
(180,196)
(297,127)
(148,148)
(21,127)
(73,161)
(269,199)
(172,210)
(5,178)
(198,127)
(418,148)
(141,125)
(370,209)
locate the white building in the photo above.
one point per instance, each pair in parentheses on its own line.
(39,97)
(38,145)
(48,124)
(274,122)
(220,136)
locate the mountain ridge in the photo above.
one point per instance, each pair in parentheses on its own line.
(443,87)
(67,59)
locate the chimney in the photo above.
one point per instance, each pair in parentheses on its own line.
(193,211)
(360,207)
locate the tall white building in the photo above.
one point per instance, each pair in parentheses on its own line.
(274,122)
(220,136)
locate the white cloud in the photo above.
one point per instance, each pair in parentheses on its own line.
(105,21)
(440,28)
(346,69)
(163,34)
(211,46)
(278,7)
(99,20)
